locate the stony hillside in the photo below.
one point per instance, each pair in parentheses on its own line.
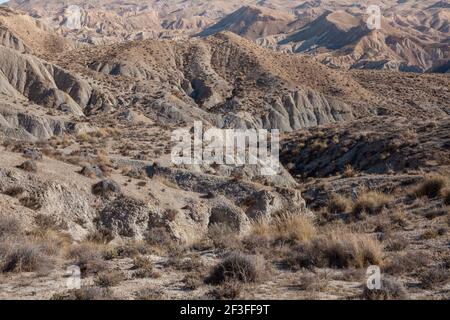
(89,101)
(252,23)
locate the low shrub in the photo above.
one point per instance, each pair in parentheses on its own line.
(237,267)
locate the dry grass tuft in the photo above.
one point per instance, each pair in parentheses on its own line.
(86,293)
(228,290)
(17,256)
(446,195)
(435,277)
(238,267)
(339,204)
(371,203)
(144,268)
(390,290)
(340,249)
(89,257)
(9,226)
(431,187)
(407,262)
(285,227)
(109,279)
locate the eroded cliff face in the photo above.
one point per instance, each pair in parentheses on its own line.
(44,83)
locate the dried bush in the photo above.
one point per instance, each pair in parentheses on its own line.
(285,227)
(228,290)
(446,195)
(434,277)
(238,267)
(151,294)
(88,257)
(403,263)
(338,204)
(390,290)
(109,279)
(431,187)
(19,256)
(371,203)
(338,249)
(86,293)
(9,226)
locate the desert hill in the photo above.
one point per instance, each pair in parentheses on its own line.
(21,32)
(252,23)
(91,94)
(413,38)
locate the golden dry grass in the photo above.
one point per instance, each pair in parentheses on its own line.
(290,226)
(372,202)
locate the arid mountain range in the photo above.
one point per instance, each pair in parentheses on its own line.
(92,91)
(414,35)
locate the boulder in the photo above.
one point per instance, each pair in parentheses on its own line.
(126,217)
(91,171)
(106,188)
(29,166)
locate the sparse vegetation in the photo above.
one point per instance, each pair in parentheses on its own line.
(390,290)
(17,256)
(109,279)
(339,204)
(371,203)
(237,267)
(87,178)
(86,293)
(447,197)
(337,249)
(9,226)
(285,227)
(88,257)
(406,262)
(228,290)
(434,277)
(431,187)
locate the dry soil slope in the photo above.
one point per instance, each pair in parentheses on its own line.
(21,32)
(252,22)
(231,78)
(411,43)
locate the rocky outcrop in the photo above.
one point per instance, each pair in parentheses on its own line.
(16,124)
(126,217)
(70,205)
(392,144)
(291,111)
(255,200)
(10,40)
